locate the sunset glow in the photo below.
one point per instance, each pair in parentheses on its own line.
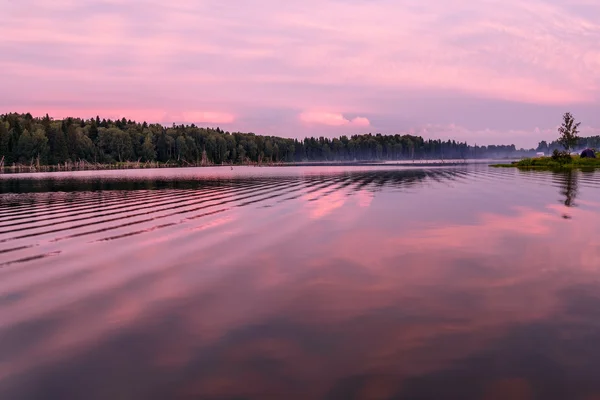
(489,72)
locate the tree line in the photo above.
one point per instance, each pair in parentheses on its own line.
(590,142)
(25,139)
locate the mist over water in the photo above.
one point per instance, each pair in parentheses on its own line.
(300,282)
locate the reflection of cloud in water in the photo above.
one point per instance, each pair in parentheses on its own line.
(325,205)
(364,198)
(346,313)
(505,305)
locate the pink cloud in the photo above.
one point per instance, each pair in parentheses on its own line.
(208,116)
(332,119)
(360,121)
(254,61)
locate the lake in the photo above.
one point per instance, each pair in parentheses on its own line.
(463,282)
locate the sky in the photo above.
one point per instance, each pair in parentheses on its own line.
(486,71)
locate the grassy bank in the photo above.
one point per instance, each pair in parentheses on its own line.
(551,164)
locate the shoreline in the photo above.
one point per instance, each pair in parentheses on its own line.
(85,166)
(551,164)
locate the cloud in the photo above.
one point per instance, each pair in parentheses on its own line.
(360,121)
(268,56)
(208,116)
(519,137)
(332,119)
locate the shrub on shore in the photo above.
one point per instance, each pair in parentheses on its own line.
(556,161)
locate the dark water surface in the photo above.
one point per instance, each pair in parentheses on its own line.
(297,283)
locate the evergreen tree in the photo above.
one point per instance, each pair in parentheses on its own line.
(4,141)
(32,147)
(148,152)
(93,132)
(59,153)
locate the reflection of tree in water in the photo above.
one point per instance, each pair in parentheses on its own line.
(569,187)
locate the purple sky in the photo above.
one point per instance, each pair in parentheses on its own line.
(487,71)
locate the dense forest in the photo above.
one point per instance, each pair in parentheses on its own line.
(45,141)
(591,142)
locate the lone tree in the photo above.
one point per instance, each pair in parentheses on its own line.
(568,132)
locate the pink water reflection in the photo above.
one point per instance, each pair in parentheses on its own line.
(345,293)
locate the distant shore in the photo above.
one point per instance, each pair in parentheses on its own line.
(44,144)
(87,166)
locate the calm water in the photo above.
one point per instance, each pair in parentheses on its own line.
(345,283)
